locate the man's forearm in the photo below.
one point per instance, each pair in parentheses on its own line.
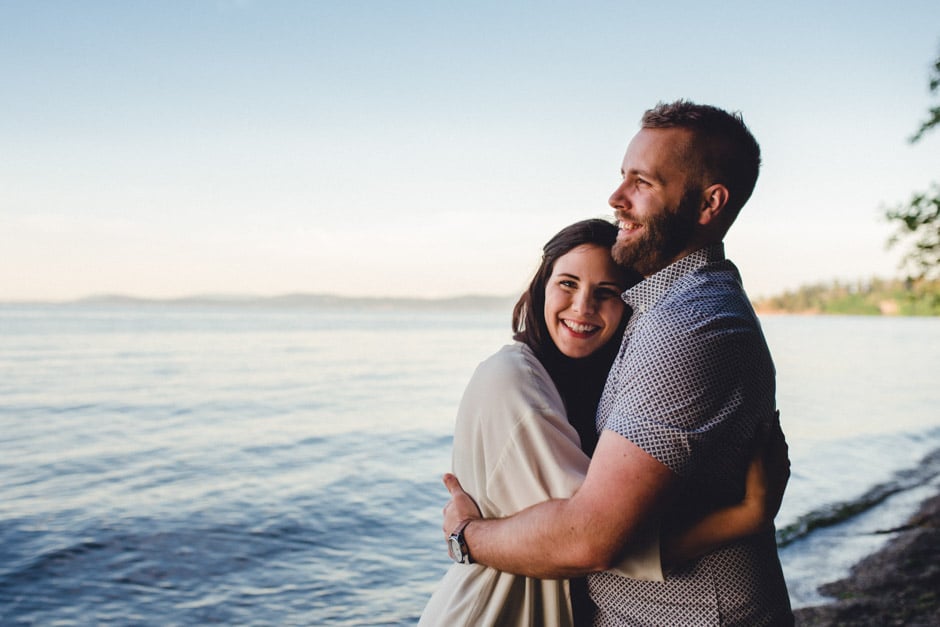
(544,541)
(624,490)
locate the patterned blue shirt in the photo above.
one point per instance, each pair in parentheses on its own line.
(693,382)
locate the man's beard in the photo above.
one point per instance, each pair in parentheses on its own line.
(664,237)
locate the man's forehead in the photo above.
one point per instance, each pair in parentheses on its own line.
(653,149)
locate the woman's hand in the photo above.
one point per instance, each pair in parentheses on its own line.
(766,481)
(767,476)
(459,508)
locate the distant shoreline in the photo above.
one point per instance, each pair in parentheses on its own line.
(469,302)
(874,297)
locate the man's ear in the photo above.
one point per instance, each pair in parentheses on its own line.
(714,200)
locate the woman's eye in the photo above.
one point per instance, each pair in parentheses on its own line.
(568,283)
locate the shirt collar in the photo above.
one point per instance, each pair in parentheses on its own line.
(650,290)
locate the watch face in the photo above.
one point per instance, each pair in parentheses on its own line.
(455,553)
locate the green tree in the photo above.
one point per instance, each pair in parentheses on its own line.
(934,111)
(918,220)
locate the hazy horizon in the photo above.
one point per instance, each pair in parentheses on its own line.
(233,298)
(248,298)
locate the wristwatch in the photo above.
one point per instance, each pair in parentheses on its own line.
(457,545)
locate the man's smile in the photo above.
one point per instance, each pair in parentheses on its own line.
(624,225)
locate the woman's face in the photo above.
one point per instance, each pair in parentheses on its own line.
(582,300)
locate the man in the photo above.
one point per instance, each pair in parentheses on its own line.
(691,388)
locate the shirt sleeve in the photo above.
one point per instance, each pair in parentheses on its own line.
(687,390)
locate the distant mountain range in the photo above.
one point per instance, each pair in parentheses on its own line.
(873,297)
(313,301)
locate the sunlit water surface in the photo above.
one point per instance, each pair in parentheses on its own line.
(257,466)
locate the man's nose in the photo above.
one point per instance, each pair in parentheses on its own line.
(618,199)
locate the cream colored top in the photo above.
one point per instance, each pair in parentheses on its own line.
(514,447)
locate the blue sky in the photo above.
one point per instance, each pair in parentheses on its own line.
(430,148)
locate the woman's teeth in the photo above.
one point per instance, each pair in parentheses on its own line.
(578,327)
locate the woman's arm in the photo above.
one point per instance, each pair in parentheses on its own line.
(766,481)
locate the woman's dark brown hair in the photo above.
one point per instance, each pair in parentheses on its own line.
(579,381)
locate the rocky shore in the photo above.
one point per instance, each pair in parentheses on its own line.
(899,585)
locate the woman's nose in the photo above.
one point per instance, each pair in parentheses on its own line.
(584,302)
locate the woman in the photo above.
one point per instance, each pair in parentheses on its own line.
(525,430)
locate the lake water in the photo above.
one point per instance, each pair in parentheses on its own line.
(170,465)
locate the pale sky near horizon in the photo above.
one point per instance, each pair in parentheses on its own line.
(163,149)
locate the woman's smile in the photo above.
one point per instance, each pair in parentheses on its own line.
(580,328)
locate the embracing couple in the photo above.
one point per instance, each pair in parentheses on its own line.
(621,463)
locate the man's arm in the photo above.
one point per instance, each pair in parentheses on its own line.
(625,489)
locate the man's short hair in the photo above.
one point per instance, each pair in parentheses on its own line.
(723,150)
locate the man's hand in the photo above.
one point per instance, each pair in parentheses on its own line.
(459,508)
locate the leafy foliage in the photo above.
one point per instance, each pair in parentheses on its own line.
(919,225)
(918,220)
(934,118)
